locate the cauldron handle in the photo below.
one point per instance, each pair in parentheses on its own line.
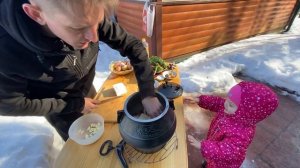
(120,116)
(120,149)
(171,103)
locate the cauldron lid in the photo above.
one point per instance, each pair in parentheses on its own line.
(170,90)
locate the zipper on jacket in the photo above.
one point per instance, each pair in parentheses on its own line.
(74,60)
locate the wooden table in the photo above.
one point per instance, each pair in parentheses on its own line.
(74,155)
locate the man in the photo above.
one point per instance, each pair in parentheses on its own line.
(48,54)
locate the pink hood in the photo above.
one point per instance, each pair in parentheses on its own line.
(257,103)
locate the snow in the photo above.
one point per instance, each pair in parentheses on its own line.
(272,59)
(28,142)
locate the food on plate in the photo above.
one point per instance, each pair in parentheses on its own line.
(159,65)
(166,75)
(122,66)
(169,74)
(171,66)
(90,131)
(160,77)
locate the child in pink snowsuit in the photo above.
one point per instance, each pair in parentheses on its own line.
(233,128)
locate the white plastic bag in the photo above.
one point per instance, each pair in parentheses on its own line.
(148,18)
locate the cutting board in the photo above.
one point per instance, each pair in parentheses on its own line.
(110,103)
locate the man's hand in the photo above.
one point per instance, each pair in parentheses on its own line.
(152,106)
(89,105)
(194,142)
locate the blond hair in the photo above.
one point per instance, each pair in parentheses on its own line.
(72,5)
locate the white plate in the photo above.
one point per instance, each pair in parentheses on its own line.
(169,74)
(78,129)
(160,77)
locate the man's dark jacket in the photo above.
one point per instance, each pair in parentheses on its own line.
(39,74)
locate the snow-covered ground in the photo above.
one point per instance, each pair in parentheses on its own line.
(28,142)
(273,59)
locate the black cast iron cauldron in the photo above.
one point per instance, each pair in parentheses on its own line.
(150,135)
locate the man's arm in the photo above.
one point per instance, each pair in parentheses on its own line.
(128,45)
(13,100)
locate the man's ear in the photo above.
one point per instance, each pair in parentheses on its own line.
(34,13)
